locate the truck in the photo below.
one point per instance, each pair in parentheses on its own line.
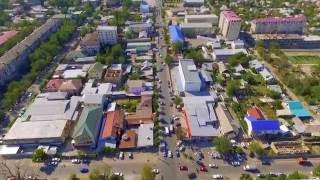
(250,168)
(166,130)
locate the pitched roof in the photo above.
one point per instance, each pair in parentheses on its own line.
(175,34)
(255,112)
(90,39)
(113,123)
(263,125)
(54,84)
(5,36)
(128,140)
(73,84)
(143,112)
(88,123)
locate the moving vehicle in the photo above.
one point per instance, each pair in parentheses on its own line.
(217,176)
(250,168)
(84,170)
(166,130)
(213,166)
(183,168)
(303,161)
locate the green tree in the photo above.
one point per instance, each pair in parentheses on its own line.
(38,155)
(73,177)
(177,47)
(196,55)
(147,174)
(177,100)
(296,175)
(168,60)
(232,87)
(239,58)
(95,174)
(223,145)
(256,148)
(316,171)
(245,177)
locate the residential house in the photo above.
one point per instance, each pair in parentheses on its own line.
(255,112)
(256,65)
(72,87)
(128,140)
(112,127)
(87,128)
(96,71)
(136,87)
(114,74)
(53,85)
(226,122)
(90,44)
(145,135)
(267,76)
(262,126)
(143,114)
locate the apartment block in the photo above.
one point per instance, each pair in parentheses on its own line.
(201,18)
(229,25)
(107,34)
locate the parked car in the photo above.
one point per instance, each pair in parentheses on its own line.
(192,175)
(250,168)
(170,154)
(118,174)
(183,168)
(121,155)
(200,163)
(84,170)
(75,161)
(130,155)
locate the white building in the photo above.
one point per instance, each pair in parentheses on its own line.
(229,25)
(193,3)
(189,76)
(277,25)
(107,34)
(202,18)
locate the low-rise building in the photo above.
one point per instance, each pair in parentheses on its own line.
(138,27)
(53,85)
(193,3)
(128,140)
(200,118)
(114,74)
(107,34)
(72,87)
(258,127)
(289,148)
(145,135)
(143,114)
(90,44)
(176,34)
(267,76)
(194,29)
(226,122)
(224,54)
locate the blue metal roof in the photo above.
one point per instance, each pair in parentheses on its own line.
(298,110)
(263,125)
(176,34)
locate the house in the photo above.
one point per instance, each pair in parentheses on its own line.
(138,86)
(275,88)
(145,135)
(267,76)
(239,69)
(262,126)
(200,118)
(96,71)
(256,65)
(114,74)
(93,99)
(112,127)
(6,35)
(72,86)
(87,128)
(90,44)
(297,109)
(256,113)
(53,85)
(143,114)
(189,76)
(128,140)
(176,34)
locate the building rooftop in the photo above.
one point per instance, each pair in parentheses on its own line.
(145,135)
(105,88)
(228,52)
(200,116)
(201,16)
(297,18)
(196,25)
(143,112)
(225,119)
(113,124)
(90,39)
(231,16)
(128,140)
(176,34)
(189,70)
(106,28)
(256,113)
(95,99)
(6,35)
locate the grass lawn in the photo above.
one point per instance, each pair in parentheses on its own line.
(304,59)
(128,105)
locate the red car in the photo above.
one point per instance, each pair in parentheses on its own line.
(203,169)
(183,168)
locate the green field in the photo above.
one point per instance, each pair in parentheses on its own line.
(304,59)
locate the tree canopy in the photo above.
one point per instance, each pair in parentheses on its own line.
(147,174)
(239,58)
(38,155)
(232,87)
(316,171)
(196,55)
(223,145)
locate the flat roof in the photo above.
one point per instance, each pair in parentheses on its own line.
(145,135)
(189,70)
(228,52)
(36,130)
(102,28)
(196,25)
(224,119)
(200,115)
(9,150)
(201,16)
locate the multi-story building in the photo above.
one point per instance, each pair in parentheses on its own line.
(201,18)
(229,25)
(194,29)
(138,27)
(107,34)
(278,25)
(189,76)
(16,58)
(90,45)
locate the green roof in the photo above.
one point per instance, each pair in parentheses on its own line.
(87,128)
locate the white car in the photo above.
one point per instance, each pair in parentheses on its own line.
(156,171)
(170,154)
(75,161)
(217,176)
(56,159)
(213,165)
(118,173)
(121,155)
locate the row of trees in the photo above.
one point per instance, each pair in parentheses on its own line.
(39,59)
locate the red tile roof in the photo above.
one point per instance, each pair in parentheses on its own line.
(53,85)
(5,36)
(113,123)
(255,112)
